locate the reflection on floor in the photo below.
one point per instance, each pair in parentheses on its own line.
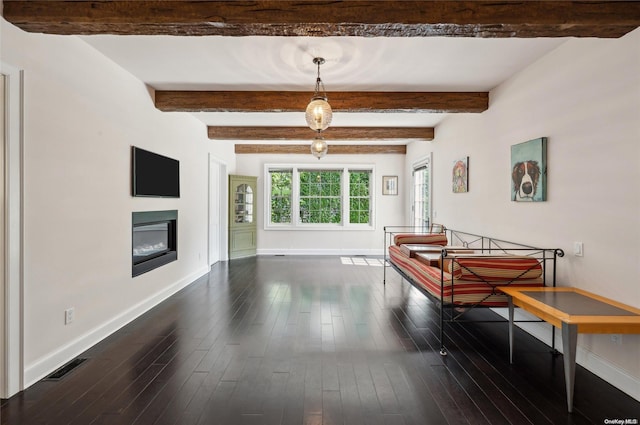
(293,340)
(362,261)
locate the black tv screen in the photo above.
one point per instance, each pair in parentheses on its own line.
(154,175)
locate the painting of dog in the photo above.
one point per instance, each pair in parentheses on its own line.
(528,171)
(525,177)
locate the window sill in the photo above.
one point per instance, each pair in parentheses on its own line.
(318,227)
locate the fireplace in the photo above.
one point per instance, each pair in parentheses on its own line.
(154,240)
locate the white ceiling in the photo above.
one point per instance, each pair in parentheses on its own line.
(352,64)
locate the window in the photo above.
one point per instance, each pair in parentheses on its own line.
(421,194)
(318,197)
(280,195)
(359,196)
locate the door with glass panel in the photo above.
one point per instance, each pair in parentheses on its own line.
(242,216)
(421,208)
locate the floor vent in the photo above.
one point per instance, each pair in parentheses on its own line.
(64,370)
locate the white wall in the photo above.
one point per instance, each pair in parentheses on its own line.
(82,115)
(389,210)
(585,98)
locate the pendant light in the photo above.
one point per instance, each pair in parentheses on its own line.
(318,114)
(319,146)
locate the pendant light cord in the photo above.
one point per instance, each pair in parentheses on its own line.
(319,83)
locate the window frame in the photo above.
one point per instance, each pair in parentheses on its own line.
(427,164)
(296,224)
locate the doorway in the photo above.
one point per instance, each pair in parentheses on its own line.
(421,197)
(217,211)
(11,299)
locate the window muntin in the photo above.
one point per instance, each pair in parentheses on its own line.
(281,196)
(421,195)
(319,197)
(359,196)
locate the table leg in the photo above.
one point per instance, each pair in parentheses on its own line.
(510,329)
(569,344)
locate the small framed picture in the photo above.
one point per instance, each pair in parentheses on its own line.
(460,175)
(389,185)
(529,171)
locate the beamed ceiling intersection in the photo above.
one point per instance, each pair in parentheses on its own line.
(486,19)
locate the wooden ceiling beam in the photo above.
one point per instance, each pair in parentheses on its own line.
(333,149)
(370,18)
(290,101)
(332,133)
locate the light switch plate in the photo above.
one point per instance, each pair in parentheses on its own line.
(69,315)
(578,249)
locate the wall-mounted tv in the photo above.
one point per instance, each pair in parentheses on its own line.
(154,175)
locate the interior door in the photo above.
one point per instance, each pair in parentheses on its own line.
(11,345)
(217,214)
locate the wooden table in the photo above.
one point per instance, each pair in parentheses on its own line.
(573,311)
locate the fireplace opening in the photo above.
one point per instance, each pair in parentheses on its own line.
(154,237)
(150,241)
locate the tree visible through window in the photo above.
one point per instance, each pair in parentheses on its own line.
(421,198)
(359,196)
(281,195)
(319,196)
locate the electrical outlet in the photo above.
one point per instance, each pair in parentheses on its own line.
(616,339)
(69,315)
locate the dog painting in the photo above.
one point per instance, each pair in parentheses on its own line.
(525,177)
(528,171)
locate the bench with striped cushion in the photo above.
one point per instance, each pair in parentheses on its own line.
(470,279)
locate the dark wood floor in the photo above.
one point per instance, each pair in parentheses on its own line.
(309,340)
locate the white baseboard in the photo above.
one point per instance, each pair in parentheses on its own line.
(617,377)
(597,365)
(49,363)
(367,252)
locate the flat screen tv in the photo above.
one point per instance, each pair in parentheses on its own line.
(154,175)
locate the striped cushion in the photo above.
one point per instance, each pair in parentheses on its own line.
(414,238)
(495,269)
(456,291)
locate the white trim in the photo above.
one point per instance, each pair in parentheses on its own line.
(13,381)
(425,161)
(320,227)
(295,219)
(331,252)
(609,372)
(45,365)
(222,211)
